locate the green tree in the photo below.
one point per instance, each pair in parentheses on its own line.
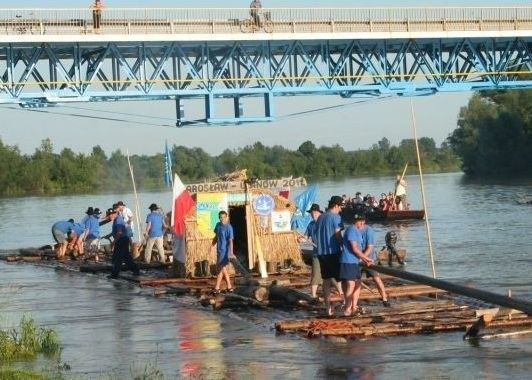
(494,134)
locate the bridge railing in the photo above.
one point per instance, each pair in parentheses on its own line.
(277,20)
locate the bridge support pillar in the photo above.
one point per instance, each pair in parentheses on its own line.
(209,107)
(268,105)
(239,109)
(180,112)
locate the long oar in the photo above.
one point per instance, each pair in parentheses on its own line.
(513,303)
(239,267)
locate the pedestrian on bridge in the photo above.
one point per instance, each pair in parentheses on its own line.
(96,8)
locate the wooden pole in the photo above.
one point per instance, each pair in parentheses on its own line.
(514,303)
(427,225)
(137,207)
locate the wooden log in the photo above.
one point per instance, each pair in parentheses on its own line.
(259,293)
(174,289)
(230,300)
(497,312)
(95,267)
(290,296)
(13,258)
(246,281)
(524,306)
(165,281)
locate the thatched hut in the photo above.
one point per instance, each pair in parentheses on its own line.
(259,216)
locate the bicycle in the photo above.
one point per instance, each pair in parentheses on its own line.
(20,27)
(249,25)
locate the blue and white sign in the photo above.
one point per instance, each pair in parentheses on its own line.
(263,204)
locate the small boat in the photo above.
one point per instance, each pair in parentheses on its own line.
(377,215)
(395,215)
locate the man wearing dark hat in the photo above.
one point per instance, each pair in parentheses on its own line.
(92,239)
(329,241)
(350,260)
(88,213)
(155,228)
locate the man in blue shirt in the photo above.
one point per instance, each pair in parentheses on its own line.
(315,279)
(60,233)
(329,242)
(92,225)
(223,239)
(155,228)
(76,238)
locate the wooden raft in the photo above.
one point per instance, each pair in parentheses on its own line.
(416,317)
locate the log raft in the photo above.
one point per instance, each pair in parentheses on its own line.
(419,304)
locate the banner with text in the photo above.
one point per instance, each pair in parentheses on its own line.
(217,187)
(208,205)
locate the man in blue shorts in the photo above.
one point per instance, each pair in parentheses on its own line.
(351,260)
(223,239)
(328,246)
(60,233)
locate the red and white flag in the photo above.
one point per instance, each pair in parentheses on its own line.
(181,205)
(285,192)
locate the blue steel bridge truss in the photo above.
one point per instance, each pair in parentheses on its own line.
(41,74)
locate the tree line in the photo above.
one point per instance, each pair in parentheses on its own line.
(494,134)
(47,173)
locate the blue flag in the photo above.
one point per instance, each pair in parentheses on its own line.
(167,166)
(303,201)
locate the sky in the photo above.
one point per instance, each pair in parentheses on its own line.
(141,127)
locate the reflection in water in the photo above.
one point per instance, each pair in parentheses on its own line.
(201,345)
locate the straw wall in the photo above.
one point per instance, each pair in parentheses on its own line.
(276,247)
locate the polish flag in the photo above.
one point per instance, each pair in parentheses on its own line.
(181,205)
(285,192)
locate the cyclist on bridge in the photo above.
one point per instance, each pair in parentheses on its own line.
(254,9)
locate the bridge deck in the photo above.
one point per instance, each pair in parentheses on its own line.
(131,21)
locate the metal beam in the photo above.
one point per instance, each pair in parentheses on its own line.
(41,73)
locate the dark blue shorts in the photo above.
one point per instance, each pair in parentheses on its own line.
(350,272)
(222,259)
(329,266)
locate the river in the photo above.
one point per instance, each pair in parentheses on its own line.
(480,237)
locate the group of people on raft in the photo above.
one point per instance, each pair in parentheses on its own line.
(82,239)
(341,254)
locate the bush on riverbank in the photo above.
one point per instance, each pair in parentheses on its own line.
(28,341)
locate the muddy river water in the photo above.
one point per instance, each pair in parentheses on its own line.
(112,328)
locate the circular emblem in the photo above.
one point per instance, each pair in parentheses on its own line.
(263,204)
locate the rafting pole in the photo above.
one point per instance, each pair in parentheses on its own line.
(513,303)
(137,207)
(424,199)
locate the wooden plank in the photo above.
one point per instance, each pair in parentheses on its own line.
(497,312)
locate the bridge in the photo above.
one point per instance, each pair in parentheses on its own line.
(54,56)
